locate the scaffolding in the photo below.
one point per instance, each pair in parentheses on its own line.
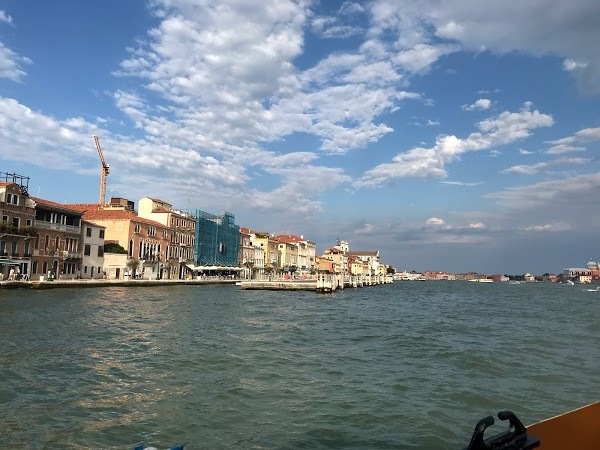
(217,239)
(21,180)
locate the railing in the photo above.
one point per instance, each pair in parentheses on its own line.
(71,255)
(57,226)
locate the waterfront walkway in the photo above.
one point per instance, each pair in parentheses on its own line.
(107,283)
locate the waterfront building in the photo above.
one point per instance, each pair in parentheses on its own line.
(270,246)
(578,275)
(16,227)
(306,251)
(594,268)
(259,262)
(246,252)
(58,240)
(115,261)
(146,241)
(355,266)
(370,257)
(217,240)
(288,250)
(92,264)
(182,232)
(338,258)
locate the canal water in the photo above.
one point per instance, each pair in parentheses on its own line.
(410,365)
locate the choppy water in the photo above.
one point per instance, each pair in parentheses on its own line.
(409,365)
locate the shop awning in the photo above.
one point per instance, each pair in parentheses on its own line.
(10,262)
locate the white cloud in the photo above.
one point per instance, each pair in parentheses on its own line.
(570,65)
(551,227)
(563,148)
(420,57)
(430,162)
(435,221)
(481,104)
(11,64)
(537,28)
(5,17)
(585,135)
(544,166)
(525,152)
(461,183)
(555,195)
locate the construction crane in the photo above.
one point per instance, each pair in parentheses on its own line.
(103,173)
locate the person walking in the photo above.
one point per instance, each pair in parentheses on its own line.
(11,274)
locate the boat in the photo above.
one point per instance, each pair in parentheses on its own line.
(594,290)
(569,283)
(576,429)
(482,280)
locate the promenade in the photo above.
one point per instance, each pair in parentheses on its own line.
(107,283)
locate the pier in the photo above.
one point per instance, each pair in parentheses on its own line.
(322,283)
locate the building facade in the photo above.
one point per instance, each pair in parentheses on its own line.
(17,233)
(57,249)
(217,240)
(182,232)
(92,264)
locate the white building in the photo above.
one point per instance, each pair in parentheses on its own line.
(92,265)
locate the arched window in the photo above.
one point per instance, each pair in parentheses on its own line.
(46,242)
(131,248)
(37,241)
(57,242)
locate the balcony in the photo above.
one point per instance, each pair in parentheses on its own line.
(71,255)
(57,227)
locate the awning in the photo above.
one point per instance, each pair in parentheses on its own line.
(10,262)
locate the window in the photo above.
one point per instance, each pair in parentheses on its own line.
(137,228)
(27,251)
(4,218)
(8,199)
(34,267)
(151,230)
(84,269)
(15,200)
(100,250)
(16,222)
(88,232)
(2,248)
(57,242)
(87,250)
(45,267)
(99,269)
(13,248)
(46,242)
(101,234)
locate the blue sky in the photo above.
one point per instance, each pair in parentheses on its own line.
(449,135)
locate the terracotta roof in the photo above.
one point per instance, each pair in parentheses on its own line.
(161,210)
(87,222)
(6,183)
(82,206)
(118,214)
(288,238)
(41,201)
(362,253)
(158,200)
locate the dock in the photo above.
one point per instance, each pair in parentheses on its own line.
(322,283)
(107,283)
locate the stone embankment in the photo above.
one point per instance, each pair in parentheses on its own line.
(107,283)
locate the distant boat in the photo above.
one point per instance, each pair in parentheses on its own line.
(594,290)
(569,283)
(482,280)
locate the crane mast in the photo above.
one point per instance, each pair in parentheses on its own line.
(103,173)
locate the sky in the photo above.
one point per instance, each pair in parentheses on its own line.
(450,135)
